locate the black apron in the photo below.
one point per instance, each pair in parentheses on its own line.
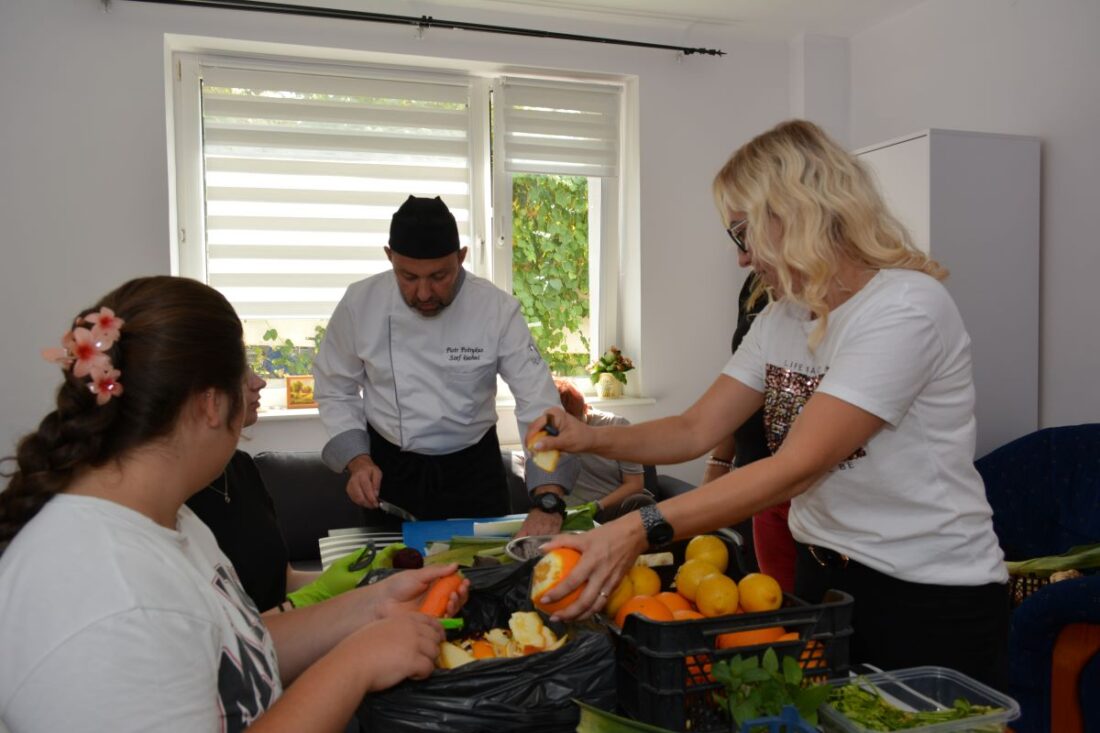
(467,483)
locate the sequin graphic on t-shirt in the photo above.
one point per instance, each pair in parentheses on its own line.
(786,392)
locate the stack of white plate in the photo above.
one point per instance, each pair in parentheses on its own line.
(342,541)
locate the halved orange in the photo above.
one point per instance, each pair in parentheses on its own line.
(647,606)
(550,570)
(751,637)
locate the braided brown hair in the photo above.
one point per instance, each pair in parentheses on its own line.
(180,338)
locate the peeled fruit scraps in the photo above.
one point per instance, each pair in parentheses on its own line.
(526,634)
(760,592)
(547,460)
(709,548)
(550,570)
(689,575)
(716,595)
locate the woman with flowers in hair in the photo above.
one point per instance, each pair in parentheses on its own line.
(142,623)
(862,366)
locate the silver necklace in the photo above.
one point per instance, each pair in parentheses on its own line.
(225,484)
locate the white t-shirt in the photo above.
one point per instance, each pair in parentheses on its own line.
(111,622)
(909,503)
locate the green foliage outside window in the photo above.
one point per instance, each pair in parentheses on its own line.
(550,265)
(284,358)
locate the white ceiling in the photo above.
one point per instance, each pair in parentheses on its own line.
(766,17)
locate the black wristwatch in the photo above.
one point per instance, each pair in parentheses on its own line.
(549,502)
(658,532)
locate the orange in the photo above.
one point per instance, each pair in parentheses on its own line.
(789,636)
(483,650)
(550,570)
(760,592)
(709,548)
(647,606)
(752,637)
(813,657)
(689,575)
(699,670)
(674,601)
(623,592)
(685,614)
(645,579)
(716,595)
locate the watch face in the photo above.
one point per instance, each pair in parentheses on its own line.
(550,502)
(658,531)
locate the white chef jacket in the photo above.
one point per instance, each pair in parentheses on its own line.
(428,384)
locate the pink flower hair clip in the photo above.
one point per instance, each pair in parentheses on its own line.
(82,350)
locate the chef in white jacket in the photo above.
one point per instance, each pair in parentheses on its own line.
(406,382)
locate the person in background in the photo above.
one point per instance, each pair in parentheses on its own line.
(616,486)
(238,509)
(862,365)
(768,533)
(406,382)
(143,624)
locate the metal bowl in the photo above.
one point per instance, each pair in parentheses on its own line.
(525,548)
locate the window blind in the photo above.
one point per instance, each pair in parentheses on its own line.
(559,128)
(303,172)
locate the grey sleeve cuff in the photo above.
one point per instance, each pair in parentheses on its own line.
(565,475)
(339,451)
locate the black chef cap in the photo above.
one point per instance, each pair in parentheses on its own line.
(423,229)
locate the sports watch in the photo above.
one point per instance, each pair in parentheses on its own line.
(549,502)
(658,532)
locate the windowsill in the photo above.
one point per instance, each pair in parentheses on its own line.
(503,403)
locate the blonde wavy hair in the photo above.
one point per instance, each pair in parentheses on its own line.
(829,210)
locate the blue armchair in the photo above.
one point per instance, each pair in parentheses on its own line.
(1045,492)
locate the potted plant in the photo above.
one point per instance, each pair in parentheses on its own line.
(287,367)
(608,373)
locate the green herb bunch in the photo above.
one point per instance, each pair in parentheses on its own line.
(755,688)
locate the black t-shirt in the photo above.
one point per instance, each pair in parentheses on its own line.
(246,529)
(750,443)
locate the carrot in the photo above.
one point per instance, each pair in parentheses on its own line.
(439,593)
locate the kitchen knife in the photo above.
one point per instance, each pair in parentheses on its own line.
(395,511)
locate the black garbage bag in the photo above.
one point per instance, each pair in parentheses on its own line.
(532,694)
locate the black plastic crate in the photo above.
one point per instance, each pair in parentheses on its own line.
(662,667)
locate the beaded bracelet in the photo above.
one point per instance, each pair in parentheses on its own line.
(712,461)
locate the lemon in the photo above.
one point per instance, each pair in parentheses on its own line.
(709,548)
(760,592)
(623,592)
(716,595)
(689,575)
(645,580)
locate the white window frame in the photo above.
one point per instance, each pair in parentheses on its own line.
(490,230)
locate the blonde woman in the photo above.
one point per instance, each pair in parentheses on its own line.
(862,366)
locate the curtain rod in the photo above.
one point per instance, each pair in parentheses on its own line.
(423,22)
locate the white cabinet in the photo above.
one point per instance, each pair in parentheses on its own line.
(972,201)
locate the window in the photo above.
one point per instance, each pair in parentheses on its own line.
(288,174)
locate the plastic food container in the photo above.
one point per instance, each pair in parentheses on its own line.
(922,689)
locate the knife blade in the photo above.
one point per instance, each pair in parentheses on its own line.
(395,510)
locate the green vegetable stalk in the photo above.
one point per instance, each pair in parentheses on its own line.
(861,702)
(1081,557)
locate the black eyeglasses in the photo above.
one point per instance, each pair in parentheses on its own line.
(737,231)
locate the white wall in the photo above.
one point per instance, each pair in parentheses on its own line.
(1024,67)
(84,200)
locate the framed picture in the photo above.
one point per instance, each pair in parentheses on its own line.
(299,392)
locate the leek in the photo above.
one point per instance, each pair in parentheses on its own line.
(1076,558)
